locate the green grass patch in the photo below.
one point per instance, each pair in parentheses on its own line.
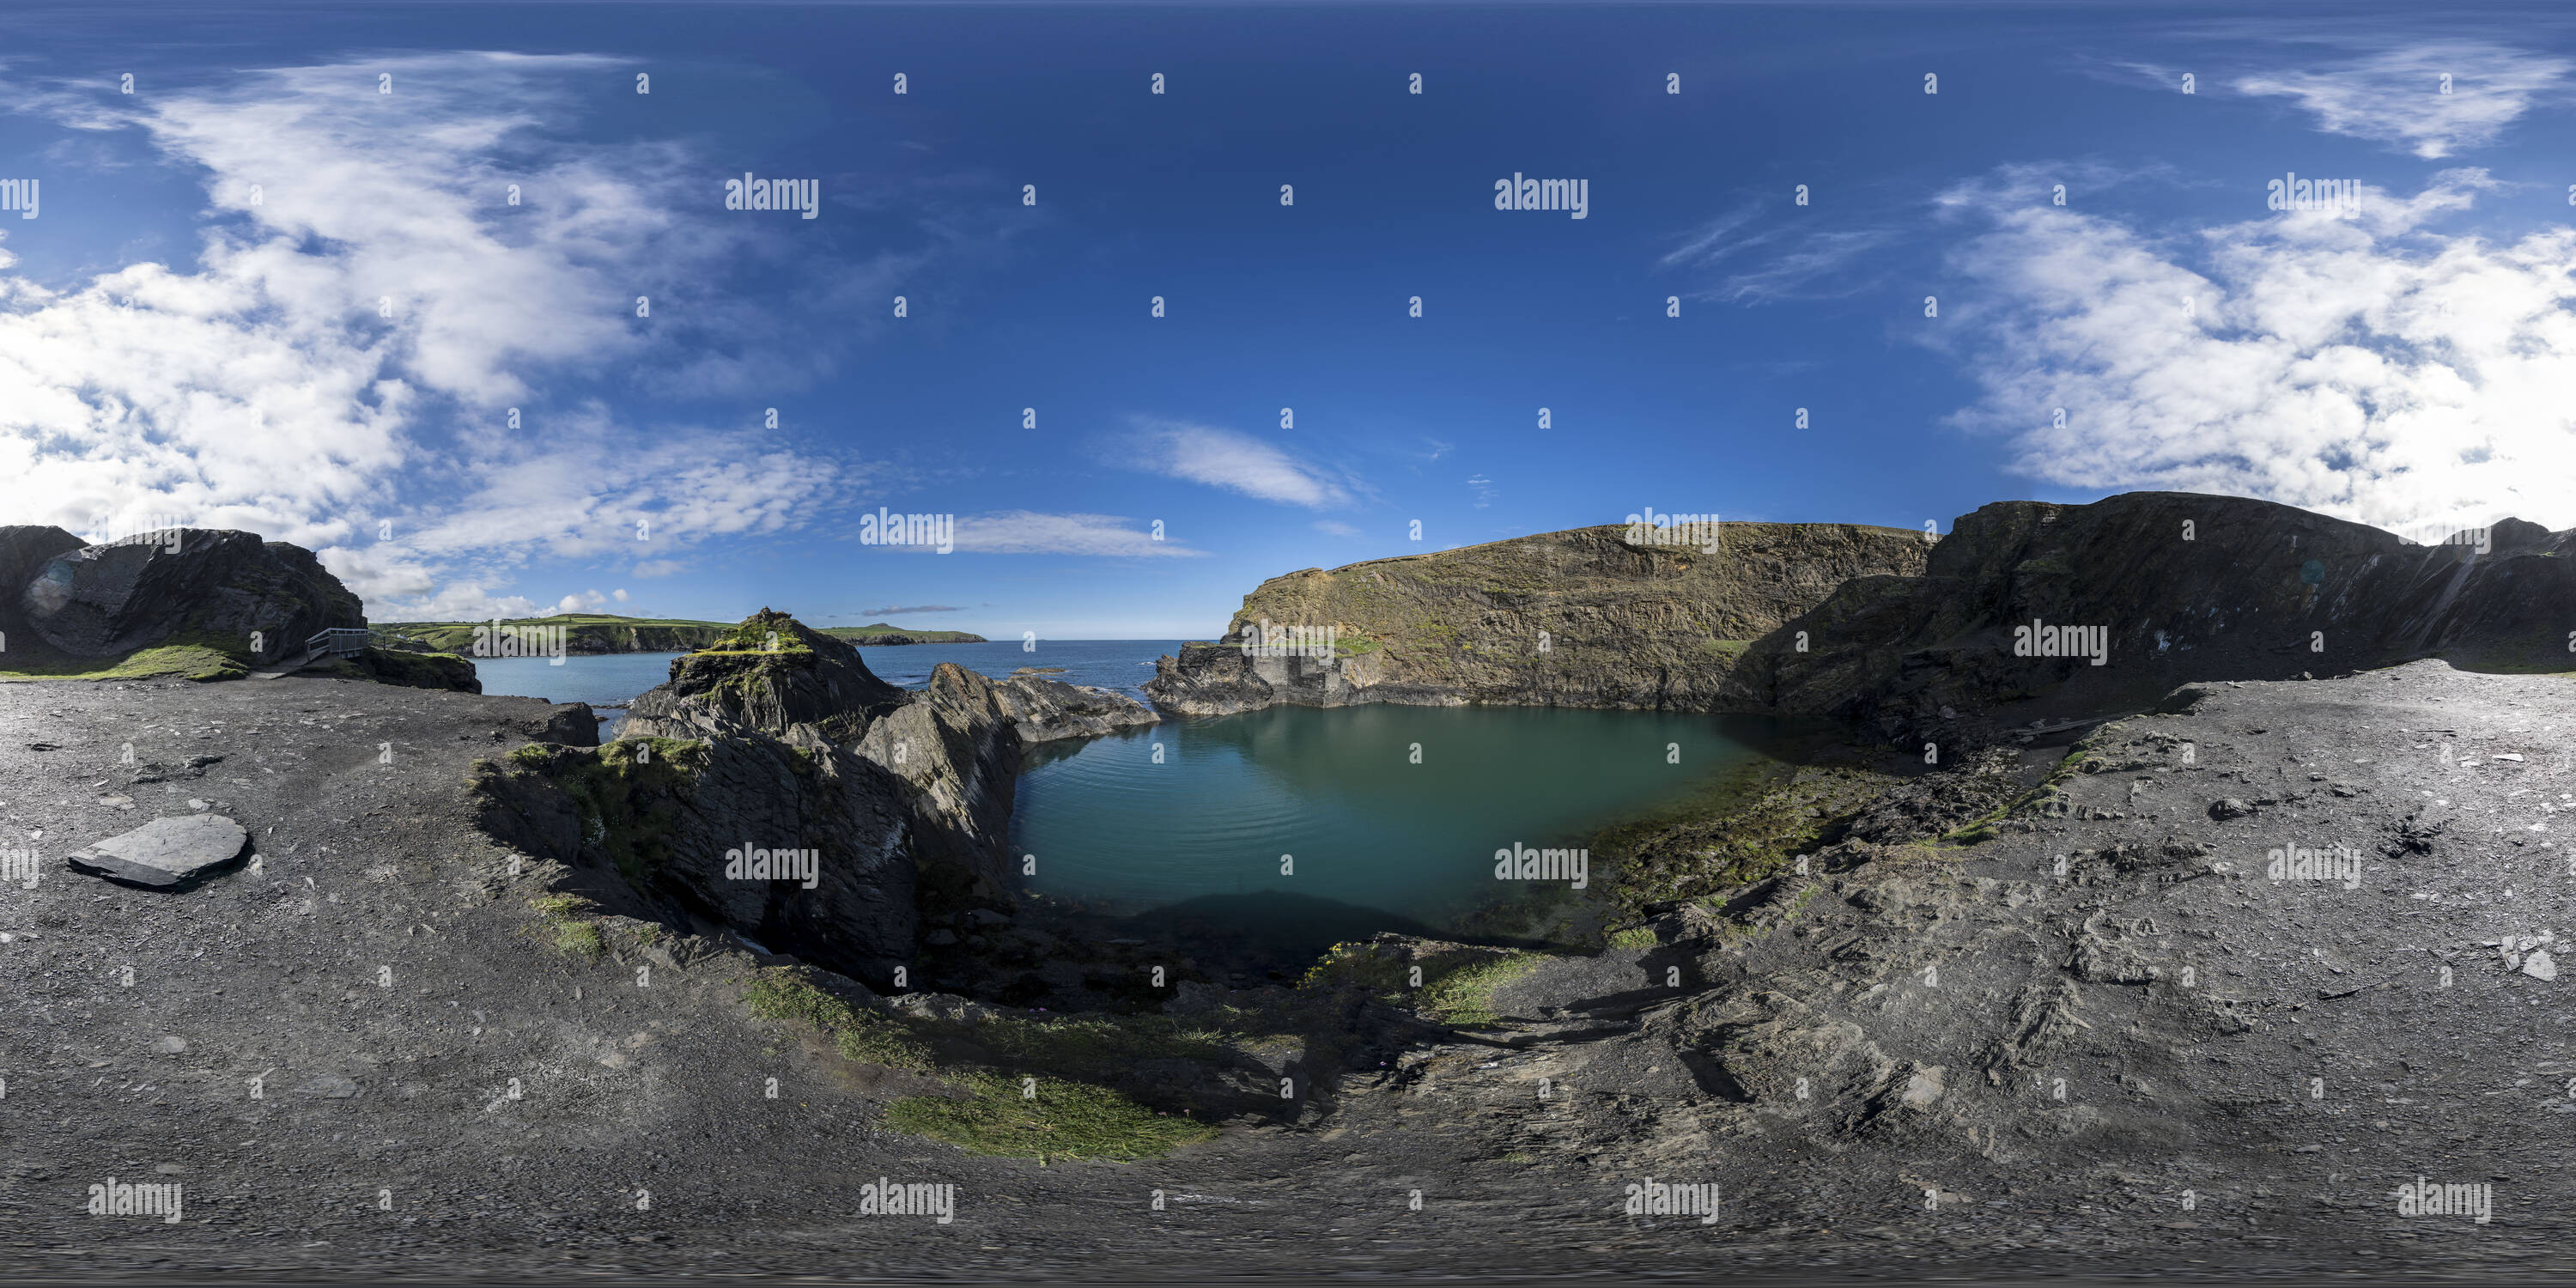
(1749,823)
(564,923)
(628,792)
(190,657)
(1633,937)
(1465,997)
(1458,980)
(1044,1118)
(1099,1045)
(870,1037)
(1060,1059)
(580,938)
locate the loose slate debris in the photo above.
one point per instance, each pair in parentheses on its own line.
(166,853)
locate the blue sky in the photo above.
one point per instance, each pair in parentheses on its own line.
(264,292)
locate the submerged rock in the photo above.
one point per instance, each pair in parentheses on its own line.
(166,852)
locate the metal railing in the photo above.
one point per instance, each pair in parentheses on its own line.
(346,641)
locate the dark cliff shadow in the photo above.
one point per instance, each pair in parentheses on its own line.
(1275,932)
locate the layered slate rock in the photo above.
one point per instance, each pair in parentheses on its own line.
(1044,710)
(2182,587)
(786,745)
(669,831)
(220,588)
(1577,618)
(166,853)
(954,748)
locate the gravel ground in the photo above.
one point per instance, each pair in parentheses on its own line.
(374,970)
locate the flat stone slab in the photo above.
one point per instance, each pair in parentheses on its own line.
(166,852)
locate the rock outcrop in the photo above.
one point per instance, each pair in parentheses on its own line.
(953,748)
(771,674)
(1044,710)
(230,591)
(777,788)
(2162,588)
(801,849)
(416,671)
(1578,618)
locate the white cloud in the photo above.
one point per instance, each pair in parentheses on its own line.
(2376,368)
(1335,528)
(657,568)
(265,390)
(2396,96)
(1025,532)
(1238,462)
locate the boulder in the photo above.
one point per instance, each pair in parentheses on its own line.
(166,853)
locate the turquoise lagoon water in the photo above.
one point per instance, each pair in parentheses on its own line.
(1389,817)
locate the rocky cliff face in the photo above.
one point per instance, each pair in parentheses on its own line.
(256,600)
(1577,618)
(1877,626)
(787,743)
(2161,588)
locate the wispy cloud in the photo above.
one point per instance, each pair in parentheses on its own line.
(1335,528)
(1234,461)
(2376,367)
(1027,532)
(1758,257)
(2432,100)
(907,610)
